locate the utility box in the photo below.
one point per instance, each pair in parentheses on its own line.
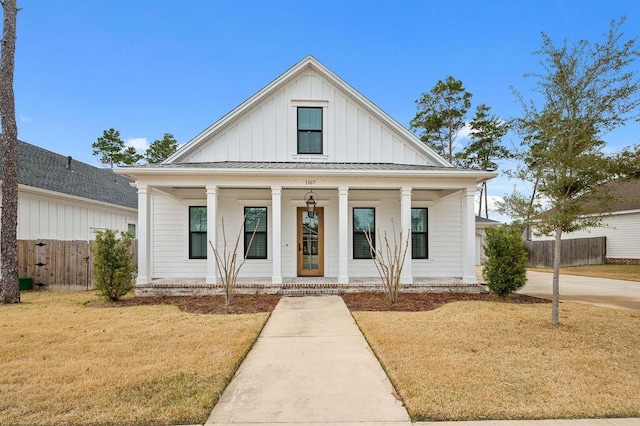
(25,283)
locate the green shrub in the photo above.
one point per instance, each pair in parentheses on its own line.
(504,270)
(113,265)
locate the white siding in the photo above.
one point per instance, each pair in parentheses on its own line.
(268,131)
(170,231)
(622,232)
(43,217)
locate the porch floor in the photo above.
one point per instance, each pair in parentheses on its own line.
(300,286)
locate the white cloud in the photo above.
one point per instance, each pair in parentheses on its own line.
(140,144)
(25,119)
(464,132)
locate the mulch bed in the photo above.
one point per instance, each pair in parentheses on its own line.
(241,304)
(414,302)
(254,303)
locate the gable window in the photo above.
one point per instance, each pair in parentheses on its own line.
(309,130)
(364,219)
(197,232)
(255,216)
(419,233)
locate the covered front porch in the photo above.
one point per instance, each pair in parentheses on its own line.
(180,214)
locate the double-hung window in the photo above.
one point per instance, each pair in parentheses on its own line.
(197,232)
(419,233)
(255,219)
(364,219)
(309,130)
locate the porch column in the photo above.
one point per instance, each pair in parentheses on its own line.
(144,234)
(343,235)
(405,226)
(468,236)
(212,213)
(276,250)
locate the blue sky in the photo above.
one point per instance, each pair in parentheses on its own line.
(149,67)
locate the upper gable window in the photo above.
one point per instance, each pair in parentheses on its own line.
(309,130)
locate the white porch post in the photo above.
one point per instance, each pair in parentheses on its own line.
(144,234)
(212,213)
(343,235)
(468,236)
(276,251)
(405,226)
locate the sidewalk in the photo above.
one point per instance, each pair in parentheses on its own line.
(310,364)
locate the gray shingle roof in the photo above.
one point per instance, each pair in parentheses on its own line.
(480,219)
(44,169)
(290,165)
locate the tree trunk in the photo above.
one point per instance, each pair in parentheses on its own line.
(480,204)
(557,257)
(9,219)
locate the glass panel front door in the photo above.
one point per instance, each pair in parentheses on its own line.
(310,243)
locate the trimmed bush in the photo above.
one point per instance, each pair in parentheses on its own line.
(113,266)
(504,270)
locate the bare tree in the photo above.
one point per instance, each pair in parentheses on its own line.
(227,262)
(8,244)
(390,261)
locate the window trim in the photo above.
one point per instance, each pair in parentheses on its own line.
(191,256)
(425,233)
(247,233)
(321,131)
(353,233)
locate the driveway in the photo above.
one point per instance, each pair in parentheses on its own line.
(617,294)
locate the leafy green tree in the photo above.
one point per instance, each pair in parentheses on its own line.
(113,266)
(441,115)
(505,270)
(129,156)
(10,291)
(484,149)
(109,147)
(587,89)
(160,150)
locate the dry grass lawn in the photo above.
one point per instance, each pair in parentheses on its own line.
(618,272)
(67,363)
(486,360)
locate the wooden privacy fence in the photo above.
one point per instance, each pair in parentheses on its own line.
(56,264)
(575,252)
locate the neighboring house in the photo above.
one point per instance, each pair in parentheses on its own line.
(307,137)
(62,203)
(481,224)
(621,225)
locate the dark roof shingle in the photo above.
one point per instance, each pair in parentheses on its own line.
(44,169)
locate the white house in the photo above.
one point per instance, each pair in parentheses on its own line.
(63,199)
(62,203)
(621,225)
(307,137)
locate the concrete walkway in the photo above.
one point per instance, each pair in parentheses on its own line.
(310,365)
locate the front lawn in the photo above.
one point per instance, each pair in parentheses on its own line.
(67,360)
(485,360)
(618,272)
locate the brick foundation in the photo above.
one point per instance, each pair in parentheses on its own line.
(622,261)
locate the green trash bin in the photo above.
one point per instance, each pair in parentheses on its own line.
(25,283)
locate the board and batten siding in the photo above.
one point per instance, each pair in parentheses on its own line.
(622,231)
(52,218)
(268,132)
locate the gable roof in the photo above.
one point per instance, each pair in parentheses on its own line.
(309,62)
(40,168)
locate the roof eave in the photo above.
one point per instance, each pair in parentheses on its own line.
(134,172)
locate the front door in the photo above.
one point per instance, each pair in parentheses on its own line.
(310,242)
